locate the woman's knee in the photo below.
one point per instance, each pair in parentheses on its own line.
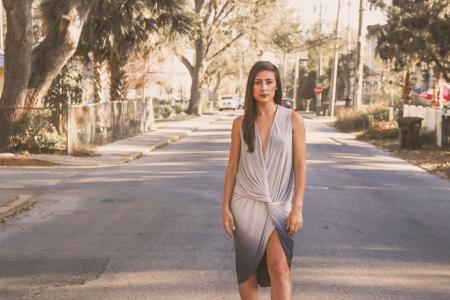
(278,270)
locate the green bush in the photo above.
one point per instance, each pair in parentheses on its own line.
(36,134)
(178,109)
(163,109)
(66,88)
(360,120)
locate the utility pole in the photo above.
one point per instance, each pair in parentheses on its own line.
(318,107)
(349,27)
(335,65)
(349,81)
(319,73)
(359,57)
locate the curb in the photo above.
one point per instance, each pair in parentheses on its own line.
(22,161)
(132,156)
(123,160)
(170,140)
(21,202)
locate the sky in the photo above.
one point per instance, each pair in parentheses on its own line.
(308,11)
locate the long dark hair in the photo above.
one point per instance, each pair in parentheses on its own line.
(250,107)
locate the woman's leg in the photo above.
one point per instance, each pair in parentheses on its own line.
(281,288)
(249,288)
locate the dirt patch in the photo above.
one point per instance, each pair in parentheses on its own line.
(25,161)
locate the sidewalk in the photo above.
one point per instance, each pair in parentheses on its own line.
(312,115)
(112,154)
(116,153)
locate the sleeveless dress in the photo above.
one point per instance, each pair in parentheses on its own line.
(262,198)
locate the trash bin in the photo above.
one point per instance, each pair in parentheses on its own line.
(409,129)
(445,130)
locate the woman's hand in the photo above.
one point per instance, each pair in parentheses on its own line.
(228,222)
(294,221)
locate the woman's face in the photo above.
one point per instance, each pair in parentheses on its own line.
(264,87)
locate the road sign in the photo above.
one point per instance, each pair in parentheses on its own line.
(318,90)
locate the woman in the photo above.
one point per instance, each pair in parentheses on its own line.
(261,211)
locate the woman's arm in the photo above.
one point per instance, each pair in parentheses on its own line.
(295,220)
(230,177)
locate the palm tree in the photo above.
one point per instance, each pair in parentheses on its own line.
(117,29)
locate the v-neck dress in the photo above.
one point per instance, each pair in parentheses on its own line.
(262,198)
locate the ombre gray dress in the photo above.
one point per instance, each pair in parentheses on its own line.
(262,198)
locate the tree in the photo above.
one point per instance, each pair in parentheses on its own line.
(220,68)
(211,18)
(415,32)
(29,71)
(279,33)
(115,30)
(65,90)
(285,37)
(218,24)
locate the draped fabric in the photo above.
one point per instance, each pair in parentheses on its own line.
(262,198)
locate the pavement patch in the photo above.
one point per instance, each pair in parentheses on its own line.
(10,209)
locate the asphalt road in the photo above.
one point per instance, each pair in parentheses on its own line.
(375,227)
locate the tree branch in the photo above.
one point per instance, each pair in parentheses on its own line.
(222,10)
(217,23)
(57,48)
(199,5)
(187,64)
(211,4)
(226,46)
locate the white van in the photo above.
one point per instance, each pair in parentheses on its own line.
(227,102)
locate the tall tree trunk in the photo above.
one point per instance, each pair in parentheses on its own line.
(407,87)
(29,73)
(19,39)
(197,74)
(436,88)
(56,49)
(119,81)
(217,86)
(97,80)
(347,77)
(17,65)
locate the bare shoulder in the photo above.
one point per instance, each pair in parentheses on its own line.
(237,123)
(296,120)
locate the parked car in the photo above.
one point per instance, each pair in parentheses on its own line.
(286,102)
(428,95)
(228,102)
